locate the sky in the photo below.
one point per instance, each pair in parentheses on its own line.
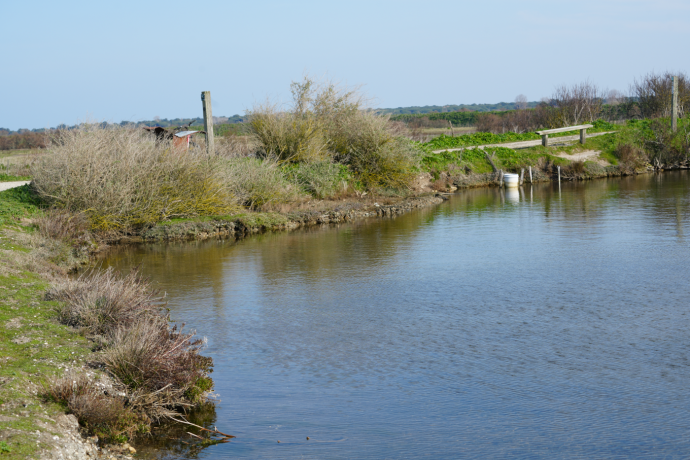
(71,61)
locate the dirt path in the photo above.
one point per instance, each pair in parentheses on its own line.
(526,144)
(587,155)
(8,185)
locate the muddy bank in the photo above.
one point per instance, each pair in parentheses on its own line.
(257,222)
(252,223)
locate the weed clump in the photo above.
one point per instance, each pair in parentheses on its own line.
(63,225)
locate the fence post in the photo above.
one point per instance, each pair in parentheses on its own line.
(208,121)
(674,104)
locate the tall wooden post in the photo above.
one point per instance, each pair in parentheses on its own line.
(208,121)
(674,104)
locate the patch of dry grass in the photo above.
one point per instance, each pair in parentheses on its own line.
(102,301)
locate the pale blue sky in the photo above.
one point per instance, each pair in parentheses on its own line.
(69,61)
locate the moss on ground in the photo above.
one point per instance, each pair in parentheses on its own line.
(33,345)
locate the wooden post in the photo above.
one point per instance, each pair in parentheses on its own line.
(559,174)
(488,158)
(522,175)
(545,140)
(500,178)
(452,133)
(583,135)
(208,121)
(530,174)
(674,104)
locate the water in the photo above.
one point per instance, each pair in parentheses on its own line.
(545,323)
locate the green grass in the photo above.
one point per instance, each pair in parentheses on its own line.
(11,178)
(32,343)
(467,140)
(33,347)
(18,203)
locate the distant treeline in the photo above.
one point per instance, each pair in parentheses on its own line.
(25,140)
(499,107)
(457,118)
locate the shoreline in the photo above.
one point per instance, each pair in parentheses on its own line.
(242,226)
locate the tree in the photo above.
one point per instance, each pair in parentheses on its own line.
(653,94)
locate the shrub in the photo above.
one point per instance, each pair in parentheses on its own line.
(104,415)
(574,168)
(322,179)
(664,146)
(393,165)
(630,156)
(63,225)
(101,301)
(328,121)
(653,93)
(122,178)
(289,137)
(257,183)
(158,366)
(150,356)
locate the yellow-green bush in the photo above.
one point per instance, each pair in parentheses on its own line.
(326,121)
(257,183)
(289,137)
(393,165)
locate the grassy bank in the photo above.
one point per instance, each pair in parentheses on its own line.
(33,345)
(100,347)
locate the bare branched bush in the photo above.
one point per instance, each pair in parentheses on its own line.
(122,178)
(235,146)
(101,301)
(576,104)
(653,93)
(257,183)
(158,367)
(664,146)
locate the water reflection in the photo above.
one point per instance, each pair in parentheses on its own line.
(548,321)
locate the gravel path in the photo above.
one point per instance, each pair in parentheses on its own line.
(8,185)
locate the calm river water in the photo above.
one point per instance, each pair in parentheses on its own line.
(546,323)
